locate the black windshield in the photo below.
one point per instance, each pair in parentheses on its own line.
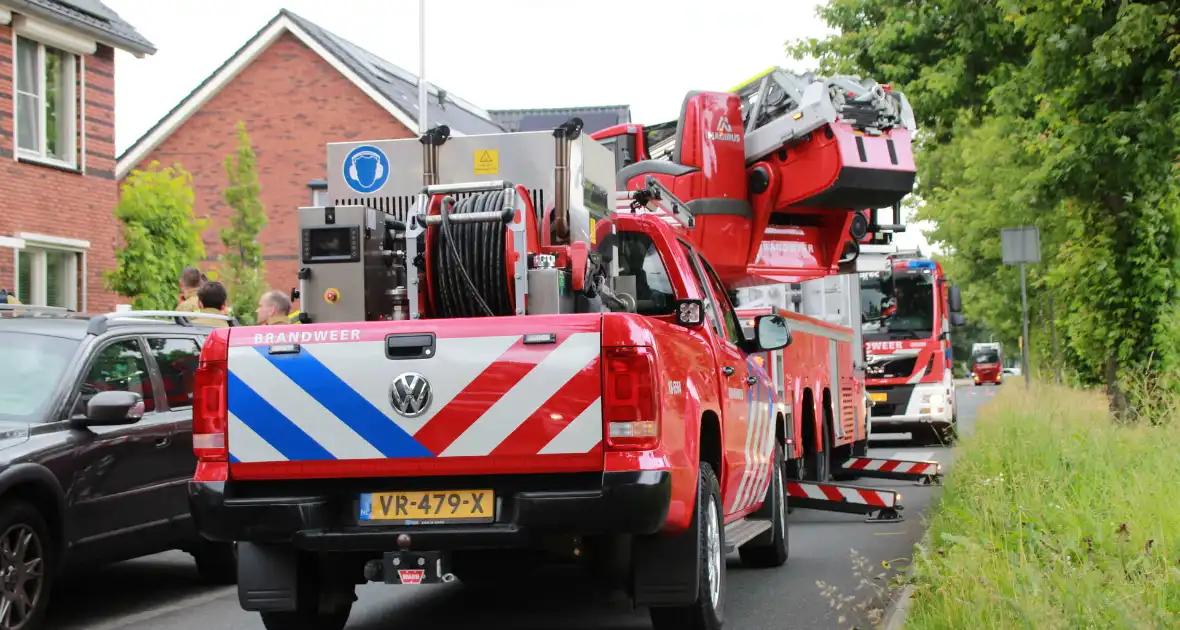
(987,356)
(32,368)
(896,306)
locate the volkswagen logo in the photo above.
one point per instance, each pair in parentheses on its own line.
(410,394)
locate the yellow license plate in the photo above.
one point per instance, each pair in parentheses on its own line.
(878,396)
(435,506)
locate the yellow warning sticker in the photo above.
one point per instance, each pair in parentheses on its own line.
(593,231)
(487,162)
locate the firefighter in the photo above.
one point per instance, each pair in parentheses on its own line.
(274,309)
(7,297)
(190,283)
(211,299)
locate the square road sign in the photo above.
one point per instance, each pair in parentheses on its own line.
(1020,245)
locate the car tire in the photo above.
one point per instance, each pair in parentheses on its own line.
(707,613)
(28,564)
(772,548)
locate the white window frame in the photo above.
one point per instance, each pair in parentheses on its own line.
(36,246)
(70,117)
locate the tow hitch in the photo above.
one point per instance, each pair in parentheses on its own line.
(410,567)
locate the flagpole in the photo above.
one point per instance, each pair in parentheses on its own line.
(423,86)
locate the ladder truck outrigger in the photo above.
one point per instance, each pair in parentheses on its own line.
(496,368)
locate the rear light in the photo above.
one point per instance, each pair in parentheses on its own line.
(630,410)
(210,408)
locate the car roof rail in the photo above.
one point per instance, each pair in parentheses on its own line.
(100,323)
(35,310)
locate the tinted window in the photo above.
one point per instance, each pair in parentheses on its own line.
(711,311)
(118,367)
(177,360)
(733,329)
(640,263)
(32,367)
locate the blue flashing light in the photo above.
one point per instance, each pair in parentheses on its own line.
(921,264)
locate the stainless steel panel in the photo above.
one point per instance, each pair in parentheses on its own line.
(346,278)
(549,292)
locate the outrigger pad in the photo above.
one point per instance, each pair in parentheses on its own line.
(881,503)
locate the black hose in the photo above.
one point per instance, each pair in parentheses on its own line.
(468,265)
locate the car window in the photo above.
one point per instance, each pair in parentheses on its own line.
(640,262)
(177,359)
(711,311)
(31,369)
(733,330)
(118,367)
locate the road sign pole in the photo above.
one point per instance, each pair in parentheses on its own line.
(1024,316)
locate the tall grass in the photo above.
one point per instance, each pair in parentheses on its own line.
(1055,517)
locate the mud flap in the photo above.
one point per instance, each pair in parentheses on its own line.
(665,570)
(268,577)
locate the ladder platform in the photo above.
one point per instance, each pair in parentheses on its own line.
(882,505)
(925,472)
(741,532)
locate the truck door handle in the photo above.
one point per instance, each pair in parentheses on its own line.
(728,371)
(163,442)
(752,380)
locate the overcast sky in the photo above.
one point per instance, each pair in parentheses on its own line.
(497,54)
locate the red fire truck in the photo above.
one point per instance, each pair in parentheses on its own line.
(908,307)
(496,368)
(987,363)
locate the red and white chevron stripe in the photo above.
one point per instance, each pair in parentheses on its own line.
(893,465)
(841,494)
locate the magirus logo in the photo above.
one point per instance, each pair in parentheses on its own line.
(724,132)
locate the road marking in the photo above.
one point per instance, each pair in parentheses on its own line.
(888,533)
(188,602)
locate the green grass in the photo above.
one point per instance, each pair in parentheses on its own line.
(1053,517)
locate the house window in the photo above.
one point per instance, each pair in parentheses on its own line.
(45,97)
(47,276)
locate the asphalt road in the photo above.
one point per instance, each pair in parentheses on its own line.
(828,583)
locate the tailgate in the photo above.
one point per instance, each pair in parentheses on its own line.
(477,396)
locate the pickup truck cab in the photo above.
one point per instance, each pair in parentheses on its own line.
(642,445)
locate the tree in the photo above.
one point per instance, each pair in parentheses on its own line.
(242,260)
(1055,113)
(160,235)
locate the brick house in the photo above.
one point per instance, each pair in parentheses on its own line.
(57,148)
(297,87)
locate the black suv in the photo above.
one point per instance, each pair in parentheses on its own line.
(95,447)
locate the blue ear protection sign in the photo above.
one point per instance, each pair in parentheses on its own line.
(366,169)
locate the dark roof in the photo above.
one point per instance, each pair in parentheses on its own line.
(593,118)
(92,16)
(400,86)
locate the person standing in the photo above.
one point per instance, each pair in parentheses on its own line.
(274,309)
(211,298)
(190,283)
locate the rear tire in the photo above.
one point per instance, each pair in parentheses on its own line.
(707,613)
(764,554)
(299,620)
(820,467)
(217,563)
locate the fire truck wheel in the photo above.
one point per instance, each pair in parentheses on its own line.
(301,620)
(771,548)
(819,464)
(217,563)
(707,612)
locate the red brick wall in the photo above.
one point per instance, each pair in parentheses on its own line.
(293,103)
(49,201)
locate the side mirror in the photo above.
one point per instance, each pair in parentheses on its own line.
(690,313)
(771,333)
(113,408)
(954,300)
(957,319)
